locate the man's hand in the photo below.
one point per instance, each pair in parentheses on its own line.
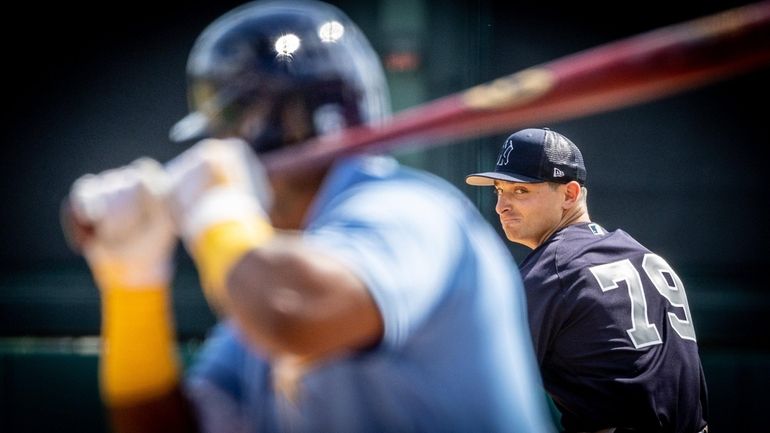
(219,194)
(122,225)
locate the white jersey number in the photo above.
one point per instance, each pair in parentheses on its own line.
(643,333)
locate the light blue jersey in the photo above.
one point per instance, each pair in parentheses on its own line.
(456,354)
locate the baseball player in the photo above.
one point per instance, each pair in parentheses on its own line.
(359,296)
(612,329)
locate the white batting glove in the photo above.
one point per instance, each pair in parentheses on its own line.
(219,198)
(132,237)
(217,181)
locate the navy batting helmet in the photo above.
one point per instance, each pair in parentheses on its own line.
(279,72)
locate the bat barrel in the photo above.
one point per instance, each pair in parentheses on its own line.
(630,71)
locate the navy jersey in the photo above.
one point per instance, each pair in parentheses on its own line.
(613,334)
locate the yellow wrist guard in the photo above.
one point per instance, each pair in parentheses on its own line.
(220,246)
(139,359)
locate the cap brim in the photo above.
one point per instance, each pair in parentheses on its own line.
(488,178)
(194,126)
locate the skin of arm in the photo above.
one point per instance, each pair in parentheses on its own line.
(290,299)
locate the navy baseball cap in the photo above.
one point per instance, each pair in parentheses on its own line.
(535,155)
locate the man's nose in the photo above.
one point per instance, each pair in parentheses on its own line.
(502,205)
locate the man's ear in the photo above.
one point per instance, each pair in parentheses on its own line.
(572,191)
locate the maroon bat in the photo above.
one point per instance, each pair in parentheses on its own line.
(630,71)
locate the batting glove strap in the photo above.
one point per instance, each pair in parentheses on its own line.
(218,205)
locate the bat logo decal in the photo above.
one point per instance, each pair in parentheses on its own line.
(510,91)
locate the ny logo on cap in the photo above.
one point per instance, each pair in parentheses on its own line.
(505,153)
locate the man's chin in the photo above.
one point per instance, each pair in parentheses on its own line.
(512,236)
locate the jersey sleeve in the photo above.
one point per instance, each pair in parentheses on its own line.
(402,241)
(547,309)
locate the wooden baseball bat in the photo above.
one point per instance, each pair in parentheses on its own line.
(630,71)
